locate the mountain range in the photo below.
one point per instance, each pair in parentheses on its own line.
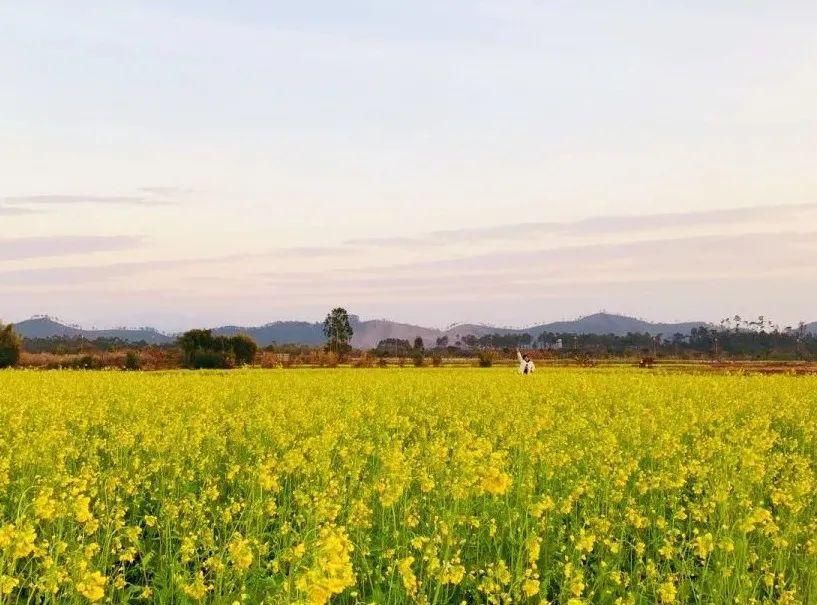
(367,333)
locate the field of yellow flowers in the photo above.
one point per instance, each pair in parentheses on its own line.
(407,486)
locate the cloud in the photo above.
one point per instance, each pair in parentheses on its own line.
(65,200)
(605,225)
(39,247)
(541,271)
(737,253)
(83,275)
(160,195)
(15,211)
(166,190)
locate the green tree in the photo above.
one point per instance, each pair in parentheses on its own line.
(132,361)
(244,349)
(10,346)
(338,331)
(203,350)
(419,345)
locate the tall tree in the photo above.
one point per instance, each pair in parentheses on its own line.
(338,331)
(9,346)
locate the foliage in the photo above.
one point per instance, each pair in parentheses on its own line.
(132,361)
(392,347)
(244,349)
(66,345)
(9,346)
(360,486)
(338,331)
(747,340)
(485,358)
(202,350)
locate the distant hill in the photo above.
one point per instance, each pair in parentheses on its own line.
(620,325)
(812,328)
(300,332)
(366,333)
(46,327)
(369,333)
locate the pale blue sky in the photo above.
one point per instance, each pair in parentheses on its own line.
(425,161)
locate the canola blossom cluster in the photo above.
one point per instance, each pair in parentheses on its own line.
(396,486)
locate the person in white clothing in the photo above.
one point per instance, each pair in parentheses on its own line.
(525,363)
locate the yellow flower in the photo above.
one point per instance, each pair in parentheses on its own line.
(91,585)
(530,587)
(82,512)
(407,574)
(495,482)
(704,545)
(7,584)
(585,542)
(451,573)
(45,507)
(331,572)
(197,589)
(667,591)
(533,544)
(240,552)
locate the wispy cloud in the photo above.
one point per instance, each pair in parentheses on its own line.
(66,200)
(538,271)
(166,190)
(605,225)
(40,247)
(15,210)
(88,274)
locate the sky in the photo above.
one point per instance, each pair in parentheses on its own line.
(190,162)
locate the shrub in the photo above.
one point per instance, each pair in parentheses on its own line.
(210,360)
(84,362)
(244,349)
(327,359)
(382,362)
(132,361)
(485,359)
(202,350)
(392,347)
(437,360)
(9,347)
(418,360)
(364,361)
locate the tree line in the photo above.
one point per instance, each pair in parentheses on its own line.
(734,337)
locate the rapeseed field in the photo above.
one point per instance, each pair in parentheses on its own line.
(407,486)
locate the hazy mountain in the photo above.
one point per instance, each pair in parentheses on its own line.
(45,327)
(607,323)
(301,332)
(812,328)
(367,333)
